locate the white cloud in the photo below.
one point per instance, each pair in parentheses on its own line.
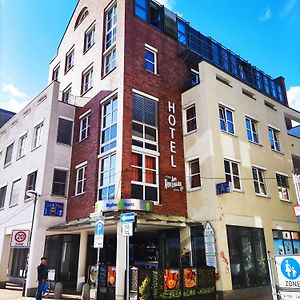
(168,3)
(12,90)
(266,14)
(293,95)
(14,105)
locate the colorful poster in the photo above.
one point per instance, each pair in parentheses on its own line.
(190,278)
(171,280)
(92,274)
(111,276)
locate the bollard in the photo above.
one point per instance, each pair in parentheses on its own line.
(85,295)
(58,289)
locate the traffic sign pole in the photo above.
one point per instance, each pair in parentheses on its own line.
(271,274)
(127,267)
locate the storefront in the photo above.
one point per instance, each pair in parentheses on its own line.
(286,242)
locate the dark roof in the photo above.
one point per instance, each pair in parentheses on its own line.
(5,116)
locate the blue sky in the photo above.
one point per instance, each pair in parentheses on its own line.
(264,32)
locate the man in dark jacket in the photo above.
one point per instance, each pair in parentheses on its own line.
(42,277)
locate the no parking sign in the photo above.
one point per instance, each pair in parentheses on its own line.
(20,239)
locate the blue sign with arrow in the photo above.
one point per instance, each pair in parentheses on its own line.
(127,218)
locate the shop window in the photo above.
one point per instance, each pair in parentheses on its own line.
(248,262)
(3,190)
(191,121)
(84,127)
(259,181)
(226,119)
(252,131)
(144,183)
(286,242)
(141,9)
(109,125)
(31,182)
(59,184)
(232,174)
(283,187)
(107,177)
(64,131)
(274,139)
(198,246)
(151,60)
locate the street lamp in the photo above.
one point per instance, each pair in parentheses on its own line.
(31,194)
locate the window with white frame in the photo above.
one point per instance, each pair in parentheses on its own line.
(87,80)
(69,60)
(194,173)
(144,183)
(89,38)
(55,73)
(66,94)
(3,190)
(84,127)
(150,60)
(144,123)
(274,139)
(21,146)
(80,180)
(109,125)
(226,119)
(259,181)
(15,190)
(59,183)
(37,136)
(252,131)
(191,122)
(8,154)
(232,174)
(110,39)
(31,182)
(107,177)
(283,187)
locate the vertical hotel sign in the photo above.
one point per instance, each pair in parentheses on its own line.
(172,124)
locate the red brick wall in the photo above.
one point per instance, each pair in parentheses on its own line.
(87,150)
(173,74)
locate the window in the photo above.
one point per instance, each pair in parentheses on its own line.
(266,84)
(191,122)
(141,8)
(8,154)
(226,119)
(232,174)
(89,39)
(215,53)
(84,127)
(234,66)
(109,125)
(283,187)
(259,181)
(2,195)
(87,81)
(198,246)
(82,15)
(286,242)
(224,57)
(64,131)
(69,60)
(194,170)
(110,39)
(274,140)
(273,89)
(258,80)
(144,184)
(281,96)
(195,77)
(21,146)
(59,184)
(80,180)
(15,190)
(144,124)
(155,15)
(151,60)
(66,95)
(252,132)
(55,73)
(247,253)
(31,182)
(37,136)
(107,177)
(181,32)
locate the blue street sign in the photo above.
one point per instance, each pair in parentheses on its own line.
(223,188)
(99,227)
(290,268)
(127,218)
(53,209)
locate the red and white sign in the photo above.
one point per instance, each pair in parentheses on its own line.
(297,210)
(20,239)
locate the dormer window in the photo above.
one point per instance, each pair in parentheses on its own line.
(82,15)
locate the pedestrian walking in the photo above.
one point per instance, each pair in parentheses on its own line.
(42,271)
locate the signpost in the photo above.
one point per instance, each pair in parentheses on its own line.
(288,271)
(20,239)
(223,188)
(289,295)
(210,247)
(53,209)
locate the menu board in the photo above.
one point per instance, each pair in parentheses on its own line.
(171,280)
(190,278)
(111,276)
